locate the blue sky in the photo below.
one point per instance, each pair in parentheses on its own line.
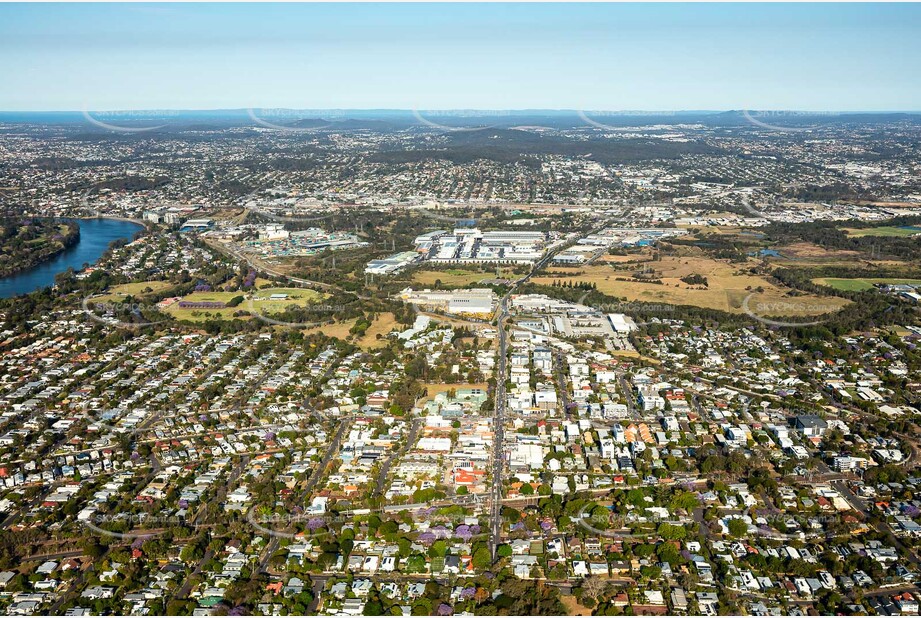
(449,56)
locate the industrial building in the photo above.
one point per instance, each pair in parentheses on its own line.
(477,301)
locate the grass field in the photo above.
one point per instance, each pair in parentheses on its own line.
(885,230)
(118,293)
(458,277)
(860,285)
(729,285)
(296,296)
(258,301)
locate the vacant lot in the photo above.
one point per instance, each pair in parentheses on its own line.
(859,285)
(573,607)
(728,285)
(457,277)
(434,389)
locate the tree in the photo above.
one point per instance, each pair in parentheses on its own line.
(737,527)
(594,587)
(415,563)
(600,516)
(482,559)
(373,608)
(439,548)
(94,549)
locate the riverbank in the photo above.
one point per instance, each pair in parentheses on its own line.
(96,236)
(141,222)
(28,242)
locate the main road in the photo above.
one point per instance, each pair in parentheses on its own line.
(498,459)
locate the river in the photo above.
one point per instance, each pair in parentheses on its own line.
(95,237)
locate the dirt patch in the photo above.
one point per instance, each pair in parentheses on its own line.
(434,389)
(573,607)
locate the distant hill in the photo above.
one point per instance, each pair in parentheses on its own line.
(511,145)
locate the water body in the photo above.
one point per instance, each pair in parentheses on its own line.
(95,237)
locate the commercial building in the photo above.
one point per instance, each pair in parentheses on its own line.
(474,245)
(478,301)
(393,264)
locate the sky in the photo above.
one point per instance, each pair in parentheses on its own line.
(844,57)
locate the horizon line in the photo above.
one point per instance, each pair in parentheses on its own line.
(466,110)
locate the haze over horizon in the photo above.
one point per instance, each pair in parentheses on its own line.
(617,57)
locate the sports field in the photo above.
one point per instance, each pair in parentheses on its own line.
(860,285)
(885,230)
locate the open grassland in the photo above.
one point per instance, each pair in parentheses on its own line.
(860,285)
(621,259)
(805,254)
(728,285)
(140,289)
(382,324)
(884,230)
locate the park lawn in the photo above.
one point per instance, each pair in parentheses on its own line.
(883,230)
(728,286)
(140,289)
(860,285)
